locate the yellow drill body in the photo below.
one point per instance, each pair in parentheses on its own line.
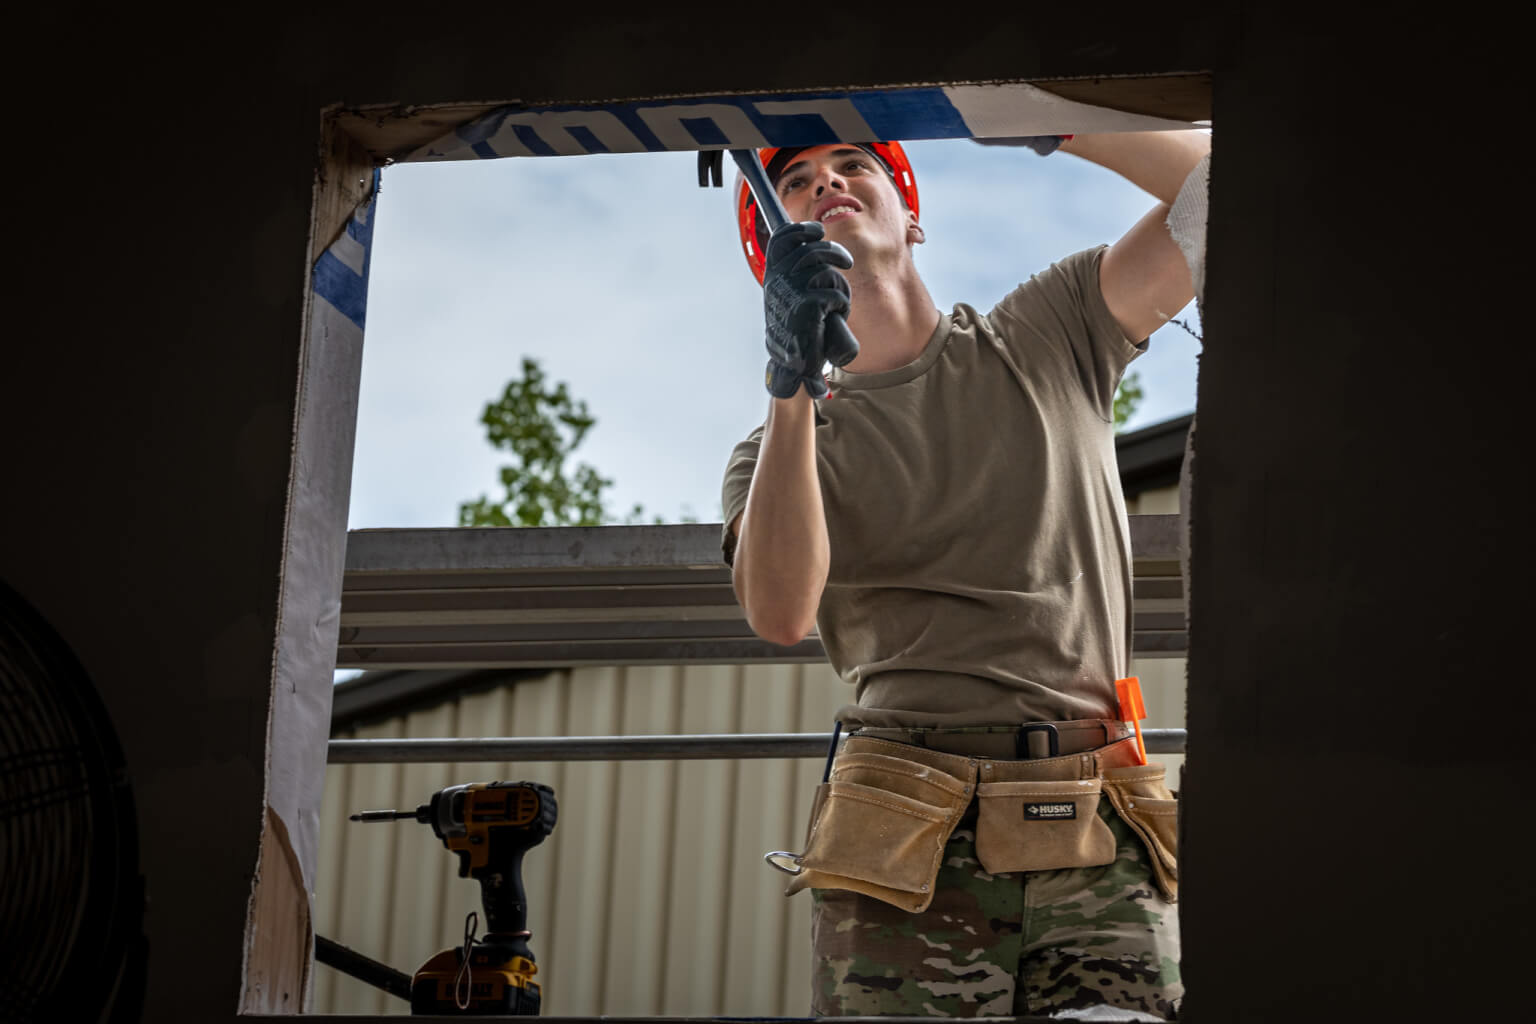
(490,825)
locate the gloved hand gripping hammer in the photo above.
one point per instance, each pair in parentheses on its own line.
(838,343)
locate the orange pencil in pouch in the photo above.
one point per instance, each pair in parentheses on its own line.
(1132,709)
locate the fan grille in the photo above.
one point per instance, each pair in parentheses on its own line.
(70,892)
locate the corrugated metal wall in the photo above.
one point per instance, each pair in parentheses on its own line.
(651,897)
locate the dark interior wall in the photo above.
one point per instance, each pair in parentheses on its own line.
(1359,547)
(149,404)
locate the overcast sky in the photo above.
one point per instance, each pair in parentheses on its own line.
(623,278)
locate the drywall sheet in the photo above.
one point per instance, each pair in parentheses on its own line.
(798,119)
(299,719)
(315,556)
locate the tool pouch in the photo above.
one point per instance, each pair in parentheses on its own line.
(1041,826)
(878,826)
(1144,802)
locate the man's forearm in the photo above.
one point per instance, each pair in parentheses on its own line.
(1155,161)
(782,553)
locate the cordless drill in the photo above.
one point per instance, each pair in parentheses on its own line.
(490,825)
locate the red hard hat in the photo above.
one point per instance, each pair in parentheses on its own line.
(754,232)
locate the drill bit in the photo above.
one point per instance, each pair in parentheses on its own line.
(382,815)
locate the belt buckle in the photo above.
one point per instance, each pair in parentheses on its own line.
(1021,740)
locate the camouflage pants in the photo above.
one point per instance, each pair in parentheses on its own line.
(1035,942)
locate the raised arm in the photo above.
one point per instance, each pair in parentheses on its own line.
(1144,276)
(782,554)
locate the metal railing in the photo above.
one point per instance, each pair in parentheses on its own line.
(623,748)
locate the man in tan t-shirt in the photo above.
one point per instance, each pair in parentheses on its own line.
(952,522)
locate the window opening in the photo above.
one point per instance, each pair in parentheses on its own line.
(623,279)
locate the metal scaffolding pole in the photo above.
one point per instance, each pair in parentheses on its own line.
(623,748)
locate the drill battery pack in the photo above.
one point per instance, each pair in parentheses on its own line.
(498,981)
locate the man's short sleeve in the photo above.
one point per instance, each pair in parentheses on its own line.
(1059,315)
(733,491)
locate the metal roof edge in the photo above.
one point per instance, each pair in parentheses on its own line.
(1152,456)
(385,693)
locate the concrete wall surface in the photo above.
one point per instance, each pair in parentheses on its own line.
(1348,833)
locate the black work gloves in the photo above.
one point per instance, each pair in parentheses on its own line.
(801,288)
(1045,145)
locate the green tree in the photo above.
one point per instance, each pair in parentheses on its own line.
(541,426)
(1127,397)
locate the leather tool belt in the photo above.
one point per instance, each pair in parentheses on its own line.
(880,821)
(1011,742)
